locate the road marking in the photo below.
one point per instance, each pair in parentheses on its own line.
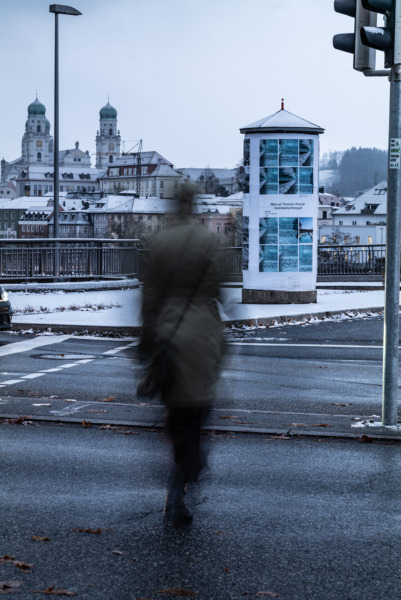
(69,410)
(120,348)
(44,371)
(26,345)
(291,345)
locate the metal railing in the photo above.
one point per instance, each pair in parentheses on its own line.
(77,259)
(352,260)
(91,258)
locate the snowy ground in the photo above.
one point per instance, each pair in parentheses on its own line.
(122,307)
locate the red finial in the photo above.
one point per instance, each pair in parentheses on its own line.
(282,103)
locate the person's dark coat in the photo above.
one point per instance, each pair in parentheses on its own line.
(179,309)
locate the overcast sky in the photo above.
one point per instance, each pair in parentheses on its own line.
(185,75)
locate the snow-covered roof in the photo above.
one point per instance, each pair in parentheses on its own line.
(374,200)
(221,209)
(221,174)
(147,158)
(283,121)
(154,205)
(25,203)
(163,170)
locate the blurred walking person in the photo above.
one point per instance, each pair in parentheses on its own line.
(182,335)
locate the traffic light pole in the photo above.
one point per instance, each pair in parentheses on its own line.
(392,276)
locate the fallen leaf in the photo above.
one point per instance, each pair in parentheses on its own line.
(96,531)
(86,423)
(37,538)
(109,399)
(53,591)
(322,425)
(8,587)
(177,592)
(228,417)
(341,404)
(227,570)
(220,532)
(6,559)
(365,439)
(19,421)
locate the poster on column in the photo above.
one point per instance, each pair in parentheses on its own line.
(287,205)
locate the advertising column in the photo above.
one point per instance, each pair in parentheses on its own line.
(281,191)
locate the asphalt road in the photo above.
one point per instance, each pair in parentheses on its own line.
(279,518)
(323,368)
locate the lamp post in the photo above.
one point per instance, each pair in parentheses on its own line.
(62,10)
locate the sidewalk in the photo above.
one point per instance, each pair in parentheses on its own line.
(83,307)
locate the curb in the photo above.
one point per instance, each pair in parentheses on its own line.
(289,434)
(134,330)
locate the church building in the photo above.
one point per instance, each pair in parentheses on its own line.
(33,171)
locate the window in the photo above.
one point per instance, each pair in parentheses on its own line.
(110,159)
(370,239)
(354,223)
(13,215)
(325,214)
(162,184)
(322,241)
(144,170)
(39,156)
(38,129)
(346,239)
(358,239)
(340,222)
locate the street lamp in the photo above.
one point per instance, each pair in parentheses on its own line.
(62,10)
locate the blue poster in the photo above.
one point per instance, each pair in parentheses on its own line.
(288,259)
(305,258)
(268,259)
(268,230)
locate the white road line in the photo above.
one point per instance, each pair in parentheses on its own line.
(120,348)
(69,410)
(26,345)
(290,345)
(44,371)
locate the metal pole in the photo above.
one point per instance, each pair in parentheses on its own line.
(392,275)
(56,150)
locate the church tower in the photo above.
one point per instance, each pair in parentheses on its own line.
(108,140)
(37,143)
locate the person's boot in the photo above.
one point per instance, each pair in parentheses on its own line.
(175,511)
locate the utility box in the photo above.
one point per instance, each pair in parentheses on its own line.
(281,196)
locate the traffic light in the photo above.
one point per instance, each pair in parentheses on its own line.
(364,56)
(387,38)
